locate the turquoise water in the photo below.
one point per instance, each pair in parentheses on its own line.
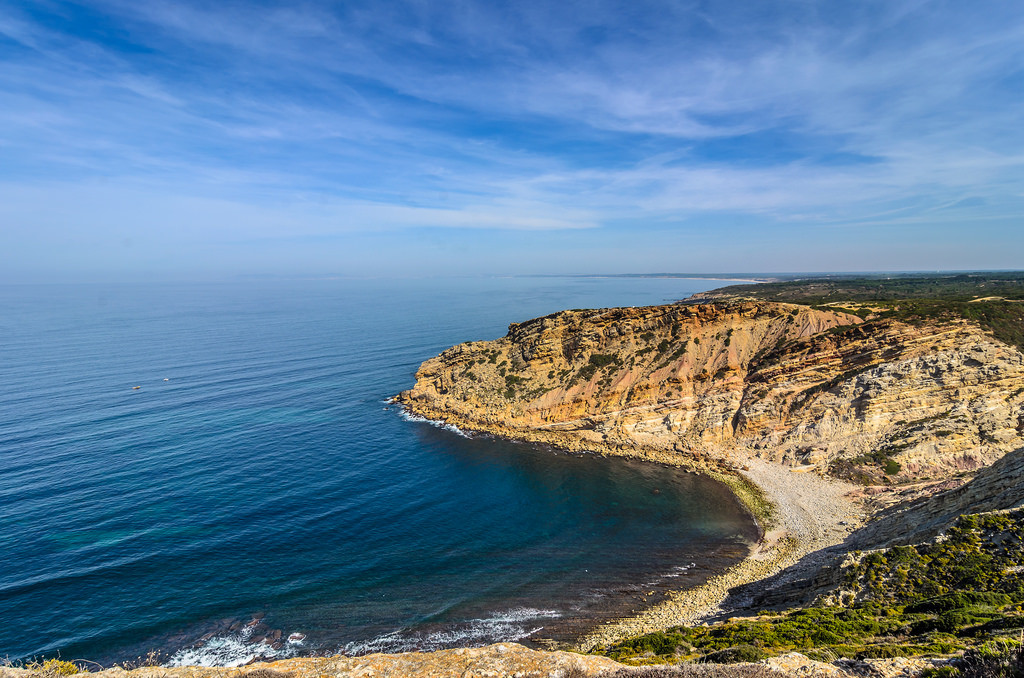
(257,487)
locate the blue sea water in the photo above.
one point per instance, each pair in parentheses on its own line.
(256,496)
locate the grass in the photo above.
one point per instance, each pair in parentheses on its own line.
(960,593)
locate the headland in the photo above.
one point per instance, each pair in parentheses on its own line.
(823,403)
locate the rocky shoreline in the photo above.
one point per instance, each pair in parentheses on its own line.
(799,512)
(811,513)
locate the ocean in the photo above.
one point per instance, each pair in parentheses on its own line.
(212,473)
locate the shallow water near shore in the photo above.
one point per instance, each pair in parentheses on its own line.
(257,495)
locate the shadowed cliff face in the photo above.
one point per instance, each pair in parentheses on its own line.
(790,383)
(997,488)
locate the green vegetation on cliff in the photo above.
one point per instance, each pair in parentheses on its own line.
(957,593)
(895,287)
(993,300)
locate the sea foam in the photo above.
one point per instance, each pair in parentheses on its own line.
(439,423)
(233,650)
(508,625)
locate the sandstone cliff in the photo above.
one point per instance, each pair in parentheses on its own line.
(877,400)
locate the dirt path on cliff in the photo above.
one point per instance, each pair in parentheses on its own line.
(811,513)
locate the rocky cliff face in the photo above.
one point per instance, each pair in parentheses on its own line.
(733,380)
(999,487)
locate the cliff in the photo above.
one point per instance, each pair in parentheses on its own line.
(833,416)
(834,413)
(877,401)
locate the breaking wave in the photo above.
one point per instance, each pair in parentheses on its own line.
(510,625)
(439,423)
(235,649)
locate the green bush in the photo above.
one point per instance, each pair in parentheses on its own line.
(936,598)
(659,643)
(887,652)
(959,600)
(735,655)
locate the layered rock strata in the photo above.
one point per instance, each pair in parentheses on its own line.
(732,381)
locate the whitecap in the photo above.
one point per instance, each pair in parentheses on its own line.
(438,423)
(231,650)
(505,626)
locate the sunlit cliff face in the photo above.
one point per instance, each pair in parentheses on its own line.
(790,383)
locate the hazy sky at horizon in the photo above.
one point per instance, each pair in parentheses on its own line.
(152,140)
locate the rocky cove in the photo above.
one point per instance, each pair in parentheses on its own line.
(839,430)
(843,430)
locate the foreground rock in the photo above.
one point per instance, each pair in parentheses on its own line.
(505,660)
(493,661)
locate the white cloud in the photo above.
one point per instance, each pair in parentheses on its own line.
(296,120)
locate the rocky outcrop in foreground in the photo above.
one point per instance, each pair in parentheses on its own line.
(502,660)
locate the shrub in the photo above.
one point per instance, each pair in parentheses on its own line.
(596,362)
(735,655)
(993,660)
(959,600)
(51,668)
(886,652)
(659,642)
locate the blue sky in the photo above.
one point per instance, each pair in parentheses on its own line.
(151,140)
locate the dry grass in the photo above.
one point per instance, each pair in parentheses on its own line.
(698,671)
(265,673)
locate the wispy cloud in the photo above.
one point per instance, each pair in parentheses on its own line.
(314,119)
